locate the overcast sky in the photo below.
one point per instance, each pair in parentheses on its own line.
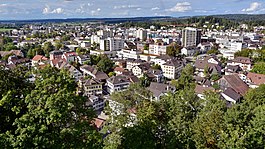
(49,9)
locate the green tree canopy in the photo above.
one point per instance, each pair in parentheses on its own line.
(259,68)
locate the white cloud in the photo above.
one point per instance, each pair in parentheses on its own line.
(95,12)
(126,7)
(48,10)
(180,7)
(155,8)
(253,7)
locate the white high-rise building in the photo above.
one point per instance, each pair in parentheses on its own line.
(111,44)
(141,34)
(191,37)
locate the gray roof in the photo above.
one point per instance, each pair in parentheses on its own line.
(232,94)
(119,79)
(160,88)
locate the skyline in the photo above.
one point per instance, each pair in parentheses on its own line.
(62,9)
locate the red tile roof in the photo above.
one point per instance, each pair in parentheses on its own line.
(255,78)
(39,57)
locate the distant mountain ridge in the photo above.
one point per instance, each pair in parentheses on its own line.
(232,17)
(105,20)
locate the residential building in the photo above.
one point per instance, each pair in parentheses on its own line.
(96,102)
(160,89)
(39,60)
(172,68)
(111,44)
(234,82)
(208,64)
(117,83)
(139,70)
(91,86)
(56,54)
(158,49)
(190,51)
(141,34)
(69,56)
(191,37)
(254,80)
(244,63)
(200,90)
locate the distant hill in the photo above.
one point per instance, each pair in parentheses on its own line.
(102,20)
(242,17)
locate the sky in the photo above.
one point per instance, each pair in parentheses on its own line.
(61,9)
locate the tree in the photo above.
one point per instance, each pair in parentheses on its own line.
(259,68)
(48,47)
(9,46)
(55,116)
(58,45)
(213,51)
(13,87)
(145,81)
(156,66)
(186,78)
(111,74)
(210,122)
(243,53)
(94,59)
(173,49)
(105,64)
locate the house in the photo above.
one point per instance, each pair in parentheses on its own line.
(160,89)
(99,123)
(172,68)
(74,72)
(231,95)
(200,90)
(130,63)
(159,60)
(96,102)
(91,86)
(39,60)
(58,63)
(158,48)
(189,51)
(155,75)
(82,58)
(254,80)
(234,82)
(18,53)
(209,64)
(117,83)
(56,55)
(230,69)
(92,71)
(120,63)
(139,70)
(14,60)
(244,63)
(119,70)
(69,56)
(204,47)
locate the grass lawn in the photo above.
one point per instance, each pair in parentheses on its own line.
(5,29)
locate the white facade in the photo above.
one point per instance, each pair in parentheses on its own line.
(157,49)
(128,54)
(191,37)
(141,34)
(171,72)
(111,44)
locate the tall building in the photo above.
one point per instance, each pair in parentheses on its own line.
(111,44)
(191,37)
(141,34)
